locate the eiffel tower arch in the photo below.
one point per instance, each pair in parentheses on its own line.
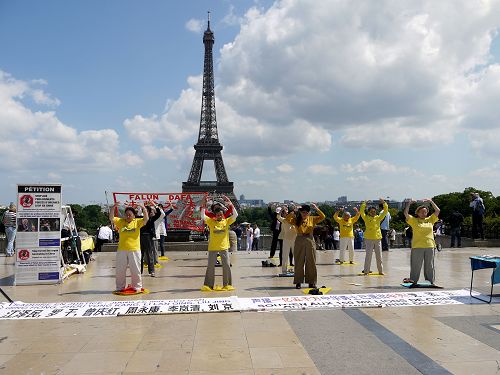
(208,146)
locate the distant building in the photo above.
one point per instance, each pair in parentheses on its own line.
(242,197)
(251,202)
(342,199)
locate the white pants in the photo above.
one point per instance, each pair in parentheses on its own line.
(287,245)
(249,243)
(133,260)
(347,243)
(373,245)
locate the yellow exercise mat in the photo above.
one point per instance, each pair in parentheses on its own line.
(322,290)
(217,288)
(163,258)
(158,265)
(129,291)
(349,264)
(370,274)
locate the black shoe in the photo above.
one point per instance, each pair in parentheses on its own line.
(279,265)
(313,286)
(297,286)
(292,265)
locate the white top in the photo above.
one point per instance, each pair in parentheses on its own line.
(249,232)
(160,224)
(256,233)
(288,231)
(336,235)
(105,233)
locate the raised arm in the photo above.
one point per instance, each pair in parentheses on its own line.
(321,216)
(385,209)
(434,206)
(336,214)
(362,209)
(112,212)
(407,208)
(203,203)
(358,214)
(145,214)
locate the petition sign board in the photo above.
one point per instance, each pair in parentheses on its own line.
(38,240)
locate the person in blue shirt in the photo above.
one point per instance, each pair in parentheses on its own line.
(384,228)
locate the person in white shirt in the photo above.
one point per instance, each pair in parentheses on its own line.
(336,238)
(249,233)
(160,231)
(104,235)
(256,237)
(288,234)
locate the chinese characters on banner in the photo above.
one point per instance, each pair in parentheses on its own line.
(185,207)
(38,240)
(89,309)
(108,309)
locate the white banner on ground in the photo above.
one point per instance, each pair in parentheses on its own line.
(307,302)
(38,239)
(102,309)
(19,310)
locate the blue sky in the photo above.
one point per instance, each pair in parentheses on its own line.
(314,99)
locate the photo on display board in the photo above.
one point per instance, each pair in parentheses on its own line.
(50,225)
(27,225)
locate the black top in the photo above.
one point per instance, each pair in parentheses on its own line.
(273,215)
(149,227)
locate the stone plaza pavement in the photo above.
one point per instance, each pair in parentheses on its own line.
(457,339)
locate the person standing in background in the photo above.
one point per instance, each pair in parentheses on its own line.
(478,211)
(249,233)
(288,234)
(273,213)
(384,228)
(105,235)
(456,220)
(9,221)
(256,237)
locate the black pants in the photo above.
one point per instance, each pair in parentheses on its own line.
(455,235)
(477,226)
(98,244)
(385,242)
(274,243)
(255,243)
(147,252)
(161,244)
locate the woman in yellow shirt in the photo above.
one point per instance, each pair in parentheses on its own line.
(218,242)
(304,250)
(373,235)
(422,244)
(346,224)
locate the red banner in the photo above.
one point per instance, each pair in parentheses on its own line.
(185,207)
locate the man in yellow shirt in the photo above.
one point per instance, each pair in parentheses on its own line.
(422,244)
(129,246)
(304,250)
(218,242)
(346,224)
(373,235)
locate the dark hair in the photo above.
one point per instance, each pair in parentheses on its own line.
(131,209)
(215,206)
(380,205)
(371,208)
(217,210)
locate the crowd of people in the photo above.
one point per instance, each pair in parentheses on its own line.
(293,232)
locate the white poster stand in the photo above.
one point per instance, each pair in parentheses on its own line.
(38,240)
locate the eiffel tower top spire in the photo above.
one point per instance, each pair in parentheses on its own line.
(208,121)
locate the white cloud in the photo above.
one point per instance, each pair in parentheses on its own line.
(373,166)
(43,142)
(391,74)
(284,168)
(357,179)
(231,18)
(321,169)
(195,26)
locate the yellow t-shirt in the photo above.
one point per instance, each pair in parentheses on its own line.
(346,227)
(219,233)
(130,233)
(307,225)
(372,224)
(423,235)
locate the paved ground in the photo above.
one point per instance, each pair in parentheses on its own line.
(458,339)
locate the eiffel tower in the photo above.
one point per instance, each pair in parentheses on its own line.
(208,146)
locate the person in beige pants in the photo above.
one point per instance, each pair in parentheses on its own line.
(288,234)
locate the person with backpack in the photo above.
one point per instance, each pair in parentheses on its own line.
(478,211)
